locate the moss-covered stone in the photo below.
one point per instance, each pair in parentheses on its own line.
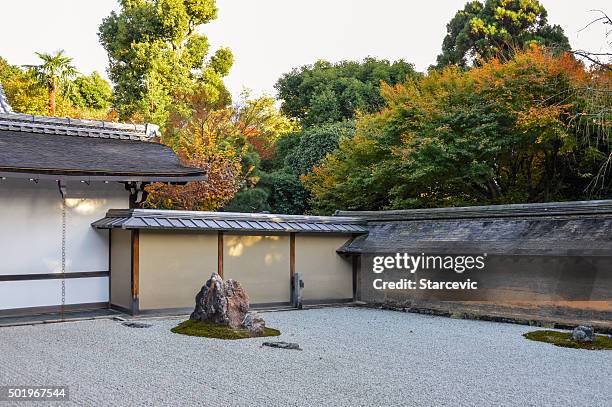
(211,330)
(564,339)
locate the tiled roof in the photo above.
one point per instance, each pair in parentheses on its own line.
(228,221)
(51,147)
(40,155)
(543,229)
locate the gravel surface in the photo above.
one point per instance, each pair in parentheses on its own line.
(350,357)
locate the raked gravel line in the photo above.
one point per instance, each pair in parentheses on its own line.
(351,357)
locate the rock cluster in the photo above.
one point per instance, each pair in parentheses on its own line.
(226,303)
(583,333)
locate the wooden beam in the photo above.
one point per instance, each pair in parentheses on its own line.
(53,276)
(292,264)
(135,270)
(220,253)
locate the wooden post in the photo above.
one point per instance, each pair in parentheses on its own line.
(355,263)
(220,253)
(135,270)
(292,266)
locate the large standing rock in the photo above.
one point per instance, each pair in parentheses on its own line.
(221,302)
(583,333)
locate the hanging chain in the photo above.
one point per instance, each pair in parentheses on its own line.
(63,257)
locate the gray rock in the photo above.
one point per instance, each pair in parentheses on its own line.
(583,333)
(282,345)
(132,324)
(221,302)
(254,323)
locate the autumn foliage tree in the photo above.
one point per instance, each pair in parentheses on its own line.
(504,132)
(221,142)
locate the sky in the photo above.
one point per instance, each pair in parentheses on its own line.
(270,37)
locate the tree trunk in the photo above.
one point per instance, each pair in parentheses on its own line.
(52,93)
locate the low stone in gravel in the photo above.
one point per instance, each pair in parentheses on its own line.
(583,333)
(283,345)
(254,323)
(132,324)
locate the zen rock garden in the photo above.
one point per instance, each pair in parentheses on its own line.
(222,311)
(581,337)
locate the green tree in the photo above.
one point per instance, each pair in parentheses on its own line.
(56,73)
(327,93)
(91,91)
(315,143)
(249,200)
(158,59)
(497,28)
(499,133)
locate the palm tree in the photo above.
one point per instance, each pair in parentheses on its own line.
(55,72)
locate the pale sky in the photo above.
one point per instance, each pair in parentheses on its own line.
(270,37)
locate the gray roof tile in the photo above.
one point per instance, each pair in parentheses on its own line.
(226,221)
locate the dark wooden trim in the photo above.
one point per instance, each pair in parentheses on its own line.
(263,305)
(135,270)
(120,308)
(93,176)
(165,311)
(52,309)
(220,253)
(328,301)
(53,276)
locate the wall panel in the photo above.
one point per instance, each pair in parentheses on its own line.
(260,264)
(327,276)
(173,267)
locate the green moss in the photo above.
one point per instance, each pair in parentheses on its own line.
(217,331)
(564,339)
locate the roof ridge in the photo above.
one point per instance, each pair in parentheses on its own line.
(233,215)
(77,127)
(565,208)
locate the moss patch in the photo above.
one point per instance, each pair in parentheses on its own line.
(217,331)
(564,339)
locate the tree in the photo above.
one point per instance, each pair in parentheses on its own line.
(315,143)
(326,93)
(496,29)
(504,132)
(92,92)
(263,124)
(22,89)
(158,59)
(56,72)
(208,140)
(602,58)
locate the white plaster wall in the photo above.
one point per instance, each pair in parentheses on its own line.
(30,239)
(44,293)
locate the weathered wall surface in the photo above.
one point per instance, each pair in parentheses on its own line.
(327,275)
(260,264)
(544,262)
(30,242)
(173,267)
(571,289)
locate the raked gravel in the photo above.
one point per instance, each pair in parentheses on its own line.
(351,357)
